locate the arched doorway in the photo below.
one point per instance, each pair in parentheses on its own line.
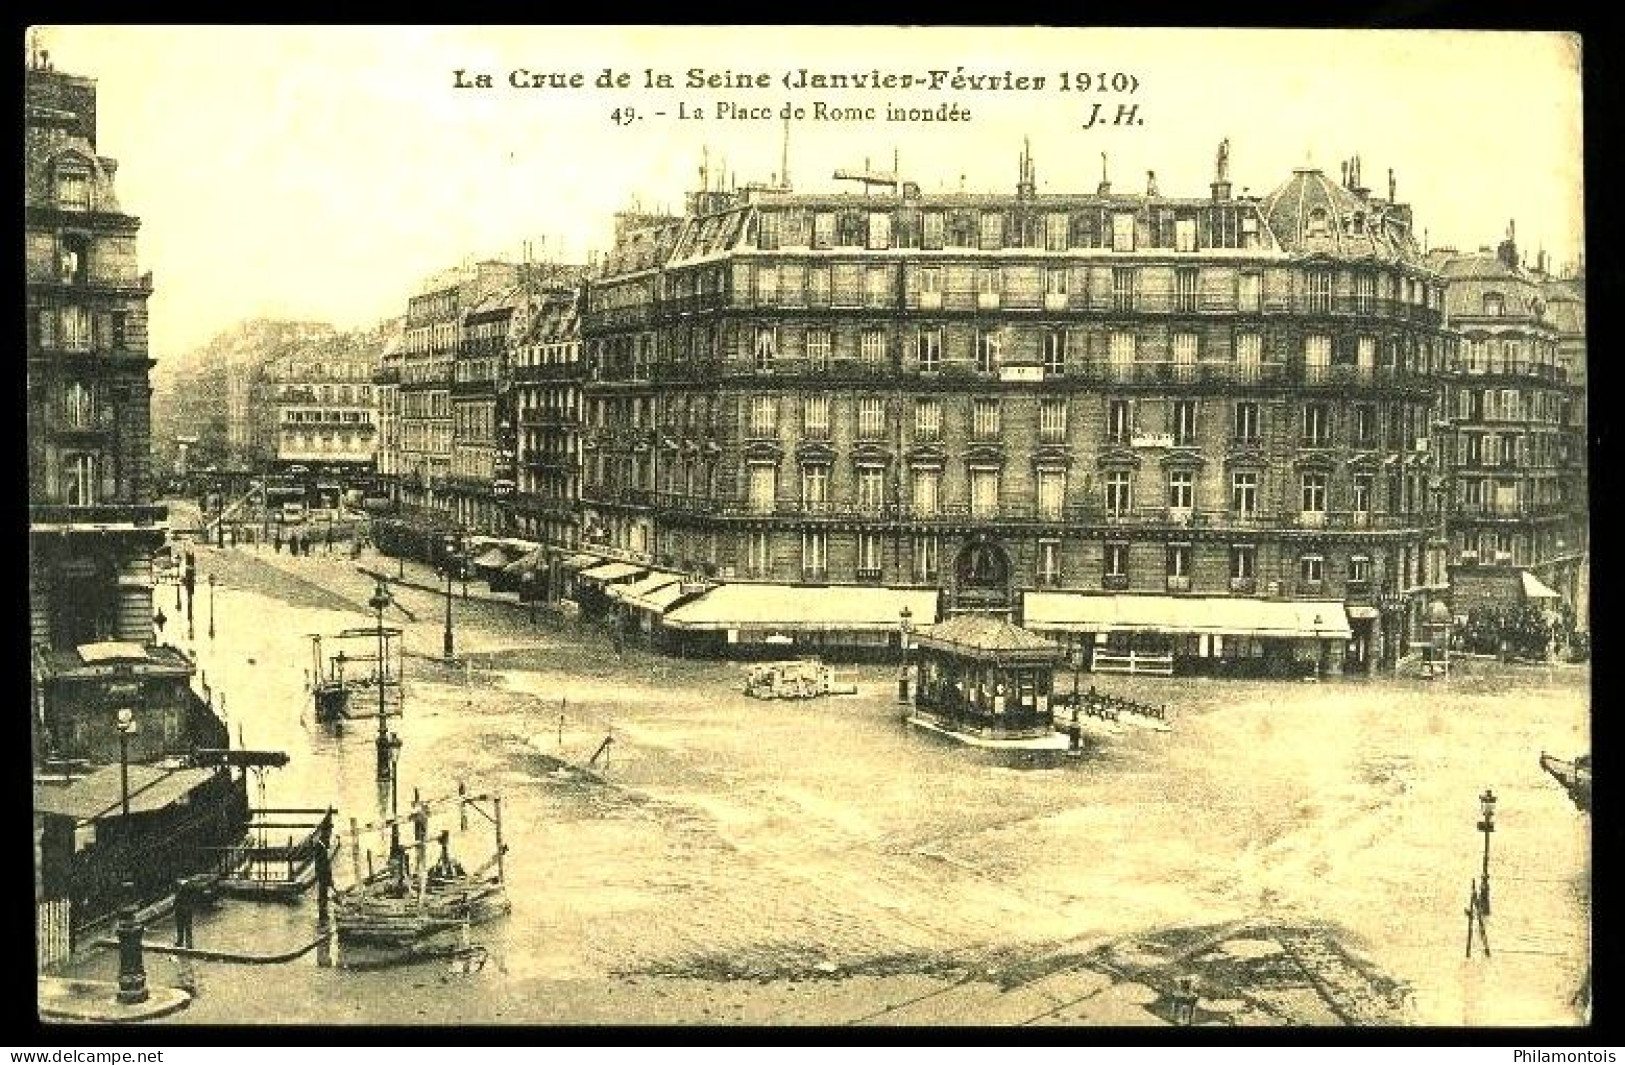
(982,576)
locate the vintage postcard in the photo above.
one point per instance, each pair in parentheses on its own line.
(808,525)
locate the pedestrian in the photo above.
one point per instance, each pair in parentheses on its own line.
(420,822)
(184,902)
(276,539)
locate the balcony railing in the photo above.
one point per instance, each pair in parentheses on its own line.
(1243,585)
(97,514)
(1178,584)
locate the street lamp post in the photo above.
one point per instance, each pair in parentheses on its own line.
(903,618)
(450,646)
(1486,825)
(126,728)
(211,606)
(132,975)
(386,758)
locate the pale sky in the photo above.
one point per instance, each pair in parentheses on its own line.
(323,173)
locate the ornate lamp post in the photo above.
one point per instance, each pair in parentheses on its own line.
(159,619)
(132,975)
(211,606)
(1486,825)
(449,644)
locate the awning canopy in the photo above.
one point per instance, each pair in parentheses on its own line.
(1361,612)
(613,571)
(657,601)
(492,558)
(530,561)
(983,637)
(1227,615)
(101,793)
(1535,588)
(642,586)
(802,608)
(576,563)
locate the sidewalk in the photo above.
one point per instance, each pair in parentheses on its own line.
(97,1001)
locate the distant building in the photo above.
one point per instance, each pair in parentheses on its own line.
(433,335)
(546,371)
(1193,428)
(386,381)
(482,418)
(326,412)
(1514,506)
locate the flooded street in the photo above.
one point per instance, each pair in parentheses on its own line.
(787,862)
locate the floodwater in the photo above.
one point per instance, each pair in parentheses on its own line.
(730,838)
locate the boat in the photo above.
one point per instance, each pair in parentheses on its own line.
(344,684)
(1575,777)
(411,903)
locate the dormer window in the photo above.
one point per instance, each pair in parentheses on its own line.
(1317,226)
(1494,305)
(1357,222)
(73,189)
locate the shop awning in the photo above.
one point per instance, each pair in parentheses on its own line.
(531,561)
(792,607)
(1535,588)
(1230,616)
(642,586)
(492,558)
(1361,612)
(613,571)
(101,793)
(576,563)
(659,600)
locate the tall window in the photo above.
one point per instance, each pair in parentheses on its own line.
(1494,305)
(1115,560)
(1244,493)
(1243,562)
(815,415)
(1049,563)
(758,556)
(1248,421)
(1318,291)
(871,487)
(879,230)
(871,417)
(1365,425)
(875,286)
(1317,351)
(989,285)
(1179,561)
(932,230)
(814,555)
(1359,569)
(1185,234)
(767,285)
(1055,287)
(79,480)
(1362,493)
(1312,570)
(1123,231)
(985,419)
(930,286)
(992,230)
(869,547)
(1119,485)
(927,490)
(925,558)
(1185,351)
(764,415)
(1054,352)
(1123,287)
(1051,494)
(984,492)
(1317,425)
(75,331)
(927,418)
(1055,231)
(928,345)
(1249,353)
(764,486)
(1181,489)
(767,348)
(1313,496)
(1365,293)
(1183,418)
(1185,285)
(1052,421)
(818,285)
(872,349)
(1120,421)
(814,486)
(78,405)
(1250,292)
(73,190)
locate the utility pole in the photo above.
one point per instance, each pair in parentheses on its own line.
(1486,825)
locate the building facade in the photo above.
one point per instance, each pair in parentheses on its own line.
(325,406)
(482,419)
(1514,507)
(386,381)
(1109,395)
(546,369)
(432,336)
(92,522)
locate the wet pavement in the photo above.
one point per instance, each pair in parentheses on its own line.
(1303,850)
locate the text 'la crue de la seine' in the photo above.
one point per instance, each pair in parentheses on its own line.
(938,83)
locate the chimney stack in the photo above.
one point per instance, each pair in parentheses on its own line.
(1508,250)
(1105,188)
(1151,183)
